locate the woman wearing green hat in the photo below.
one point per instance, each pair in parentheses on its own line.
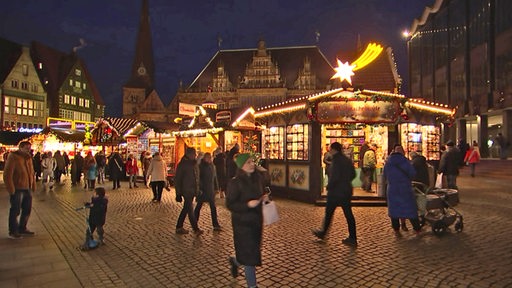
(245,194)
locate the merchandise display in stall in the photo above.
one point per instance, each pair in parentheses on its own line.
(346,134)
(297,139)
(421,138)
(273,143)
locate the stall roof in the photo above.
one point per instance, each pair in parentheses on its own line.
(162,127)
(302,103)
(13,138)
(66,135)
(122,126)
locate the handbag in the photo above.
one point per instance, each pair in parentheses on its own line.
(270,214)
(439,181)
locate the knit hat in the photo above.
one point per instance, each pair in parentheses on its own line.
(241,158)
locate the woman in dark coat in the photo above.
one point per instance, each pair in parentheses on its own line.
(243,199)
(37,165)
(207,185)
(219,160)
(398,172)
(419,162)
(115,165)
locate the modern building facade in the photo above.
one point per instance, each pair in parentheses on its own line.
(460,54)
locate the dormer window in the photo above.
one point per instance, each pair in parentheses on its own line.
(78,72)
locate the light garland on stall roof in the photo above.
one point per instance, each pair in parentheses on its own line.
(197,132)
(281,110)
(241,117)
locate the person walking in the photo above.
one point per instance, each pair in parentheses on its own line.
(115,167)
(449,164)
(79,164)
(463,147)
(66,163)
(399,172)
(503,146)
(369,165)
(48,165)
(339,193)
(472,157)
(61,164)
(89,171)
(36,161)
(20,182)
(244,198)
(132,169)
(219,160)
(101,162)
(186,184)
(156,174)
(145,161)
(207,185)
(231,167)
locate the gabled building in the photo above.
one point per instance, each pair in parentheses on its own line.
(71,91)
(23,98)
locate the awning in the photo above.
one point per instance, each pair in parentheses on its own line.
(12,138)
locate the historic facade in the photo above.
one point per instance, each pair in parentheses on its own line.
(460,54)
(23,98)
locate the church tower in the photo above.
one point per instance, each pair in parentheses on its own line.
(141,81)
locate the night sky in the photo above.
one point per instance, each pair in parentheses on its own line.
(185,33)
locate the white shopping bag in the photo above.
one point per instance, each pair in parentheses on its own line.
(439,181)
(270,214)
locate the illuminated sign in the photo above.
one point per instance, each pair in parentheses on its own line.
(81,125)
(356,111)
(59,123)
(187,109)
(223,116)
(30,130)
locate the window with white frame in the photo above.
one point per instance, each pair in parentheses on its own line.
(24,86)
(78,84)
(78,72)
(87,103)
(84,85)
(70,82)
(73,100)
(66,99)
(81,102)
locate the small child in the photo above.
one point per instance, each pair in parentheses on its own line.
(97,214)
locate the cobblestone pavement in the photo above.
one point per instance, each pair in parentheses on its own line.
(142,249)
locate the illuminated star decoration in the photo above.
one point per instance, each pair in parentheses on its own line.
(344,71)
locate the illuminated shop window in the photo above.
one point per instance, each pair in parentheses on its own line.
(274,143)
(297,137)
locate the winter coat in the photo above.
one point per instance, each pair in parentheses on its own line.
(398,173)
(341,174)
(101,160)
(247,222)
(419,163)
(369,159)
(92,172)
(157,169)
(449,163)
(36,162)
(61,163)
(89,164)
(231,167)
(115,165)
(145,164)
(98,213)
(49,165)
(220,167)
(472,157)
(207,182)
(186,180)
(19,172)
(131,166)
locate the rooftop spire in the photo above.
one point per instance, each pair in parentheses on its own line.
(143,68)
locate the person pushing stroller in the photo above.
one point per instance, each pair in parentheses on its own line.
(97,216)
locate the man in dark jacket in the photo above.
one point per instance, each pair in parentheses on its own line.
(449,164)
(186,183)
(339,193)
(230,162)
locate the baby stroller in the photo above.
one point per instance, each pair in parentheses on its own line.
(89,243)
(436,207)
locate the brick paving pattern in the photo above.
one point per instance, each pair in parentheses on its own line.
(142,249)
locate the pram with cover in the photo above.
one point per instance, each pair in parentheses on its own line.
(436,207)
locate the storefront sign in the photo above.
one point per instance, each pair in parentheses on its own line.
(187,109)
(30,130)
(81,125)
(355,111)
(60,123)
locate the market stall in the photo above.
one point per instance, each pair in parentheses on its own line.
(296,130)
